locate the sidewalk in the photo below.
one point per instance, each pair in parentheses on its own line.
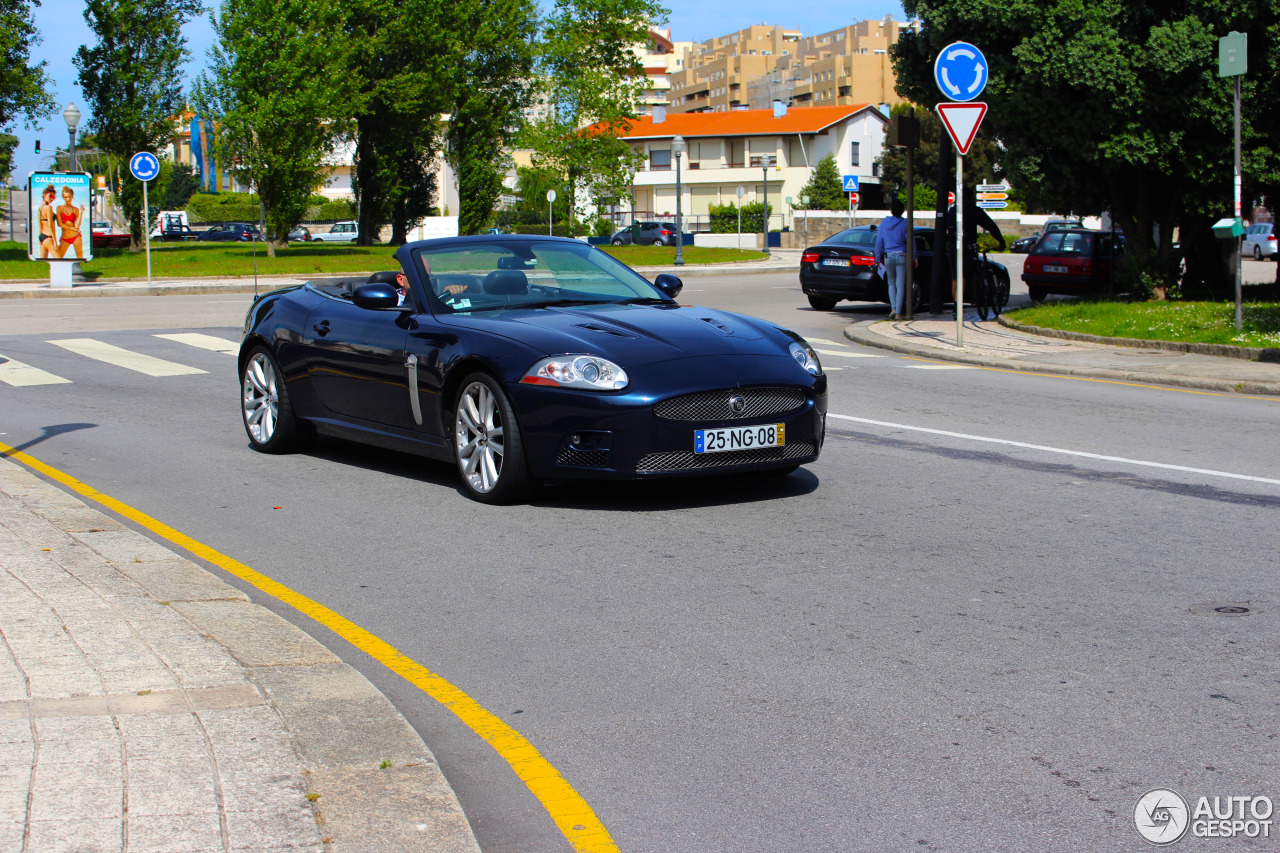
(990,344)
(145,705)
(781,261)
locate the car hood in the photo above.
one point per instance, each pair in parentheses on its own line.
(630,334)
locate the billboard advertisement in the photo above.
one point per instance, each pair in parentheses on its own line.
(61,214)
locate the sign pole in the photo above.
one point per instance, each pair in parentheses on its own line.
(959,248)
(146,230)
(1238,208)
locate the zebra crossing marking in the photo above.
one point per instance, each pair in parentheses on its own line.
(21,375)
(209,342)
(120,357)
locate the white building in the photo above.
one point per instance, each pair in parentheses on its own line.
(727,150)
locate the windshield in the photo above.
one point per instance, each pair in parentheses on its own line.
(1060,243)
(494,274)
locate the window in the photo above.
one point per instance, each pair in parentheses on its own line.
(854,158)
(660,158)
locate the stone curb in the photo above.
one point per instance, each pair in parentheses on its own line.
(862,334)
(1264,354)
(374,785)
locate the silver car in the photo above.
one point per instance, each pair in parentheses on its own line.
(1260,241)
(341,232)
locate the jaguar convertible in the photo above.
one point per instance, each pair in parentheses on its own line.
(524,359)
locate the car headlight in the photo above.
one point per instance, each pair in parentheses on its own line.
(585,372)
(805,357)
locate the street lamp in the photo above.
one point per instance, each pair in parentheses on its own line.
(678,148)
(72,117)
(766,161)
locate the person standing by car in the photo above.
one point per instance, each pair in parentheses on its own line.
(891,252)
(974,218)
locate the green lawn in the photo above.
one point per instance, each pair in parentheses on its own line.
(657,256)
(210,260)
(1189,322)
(214,260)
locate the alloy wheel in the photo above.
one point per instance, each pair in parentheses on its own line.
(480,435)
(261,398)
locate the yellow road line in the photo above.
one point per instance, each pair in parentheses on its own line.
(567,808)
(1232,395)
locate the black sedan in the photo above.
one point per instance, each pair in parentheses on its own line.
(1023,245)
(231,231)
(525,358)
(843,267)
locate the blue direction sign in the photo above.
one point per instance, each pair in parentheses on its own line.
(851,183)
(960,71)
(144,166)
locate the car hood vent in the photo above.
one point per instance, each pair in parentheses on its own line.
(606,330)
(717,325)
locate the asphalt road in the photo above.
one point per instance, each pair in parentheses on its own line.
(923,641)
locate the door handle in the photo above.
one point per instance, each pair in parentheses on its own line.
(322,327)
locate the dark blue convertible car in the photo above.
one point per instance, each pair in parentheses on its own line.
(526,358)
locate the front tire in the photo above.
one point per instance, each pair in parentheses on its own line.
(265,406)
(487,444)
(617,242)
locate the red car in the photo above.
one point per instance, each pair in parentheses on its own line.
(105,236)
(1072,260)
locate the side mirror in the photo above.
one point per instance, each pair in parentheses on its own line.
(375,296)
(669,284)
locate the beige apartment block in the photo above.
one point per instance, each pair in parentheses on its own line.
(661,58)
(756,66)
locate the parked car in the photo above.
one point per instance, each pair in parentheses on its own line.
(231,232)
(843,267)
(340,232)
(651,234)
(299,235)
(1062,224)
(107,236)
(1023,244)
(530,358)
(1074,260)
(1260,241)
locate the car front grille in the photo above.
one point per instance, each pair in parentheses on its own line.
(598,458)
(685,460)
(706,406)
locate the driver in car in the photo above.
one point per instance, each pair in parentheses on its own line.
(402,284)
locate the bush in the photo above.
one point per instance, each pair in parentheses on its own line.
(724,218)
(558,230)
(243,207)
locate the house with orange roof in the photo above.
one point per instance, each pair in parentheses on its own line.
(758,150)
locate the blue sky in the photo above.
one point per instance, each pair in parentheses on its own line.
(64,29)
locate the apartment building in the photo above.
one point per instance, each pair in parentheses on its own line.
(752,149)
(661,58)
(756,66)
(716,72)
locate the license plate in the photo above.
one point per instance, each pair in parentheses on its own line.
(738,438)
(834,262)
(1052,268)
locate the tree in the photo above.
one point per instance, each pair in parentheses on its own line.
(24,88)
(399,48)
(132,81)
(980,164)
(8,144)
(591,83)
(281,88)
(825,190)
(492,89)
(1107,105)
(181,187)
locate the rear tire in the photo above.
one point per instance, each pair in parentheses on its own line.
(1037,294)
(822,303)
(617,242)
(1257,252)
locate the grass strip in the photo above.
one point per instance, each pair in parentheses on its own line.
(1186,322)
(218,260)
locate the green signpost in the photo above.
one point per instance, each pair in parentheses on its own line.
(1233,61)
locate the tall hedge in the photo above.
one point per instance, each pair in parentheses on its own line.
(724,218)
(243,207)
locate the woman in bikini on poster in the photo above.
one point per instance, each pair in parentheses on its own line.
(48,242)
(70,219)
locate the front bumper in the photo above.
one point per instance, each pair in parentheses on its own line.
(582,434)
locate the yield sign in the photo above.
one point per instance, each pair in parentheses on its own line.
(961,121)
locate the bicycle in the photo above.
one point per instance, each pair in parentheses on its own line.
(992,293)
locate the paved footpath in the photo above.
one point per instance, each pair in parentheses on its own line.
(990,344)
(148,707)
